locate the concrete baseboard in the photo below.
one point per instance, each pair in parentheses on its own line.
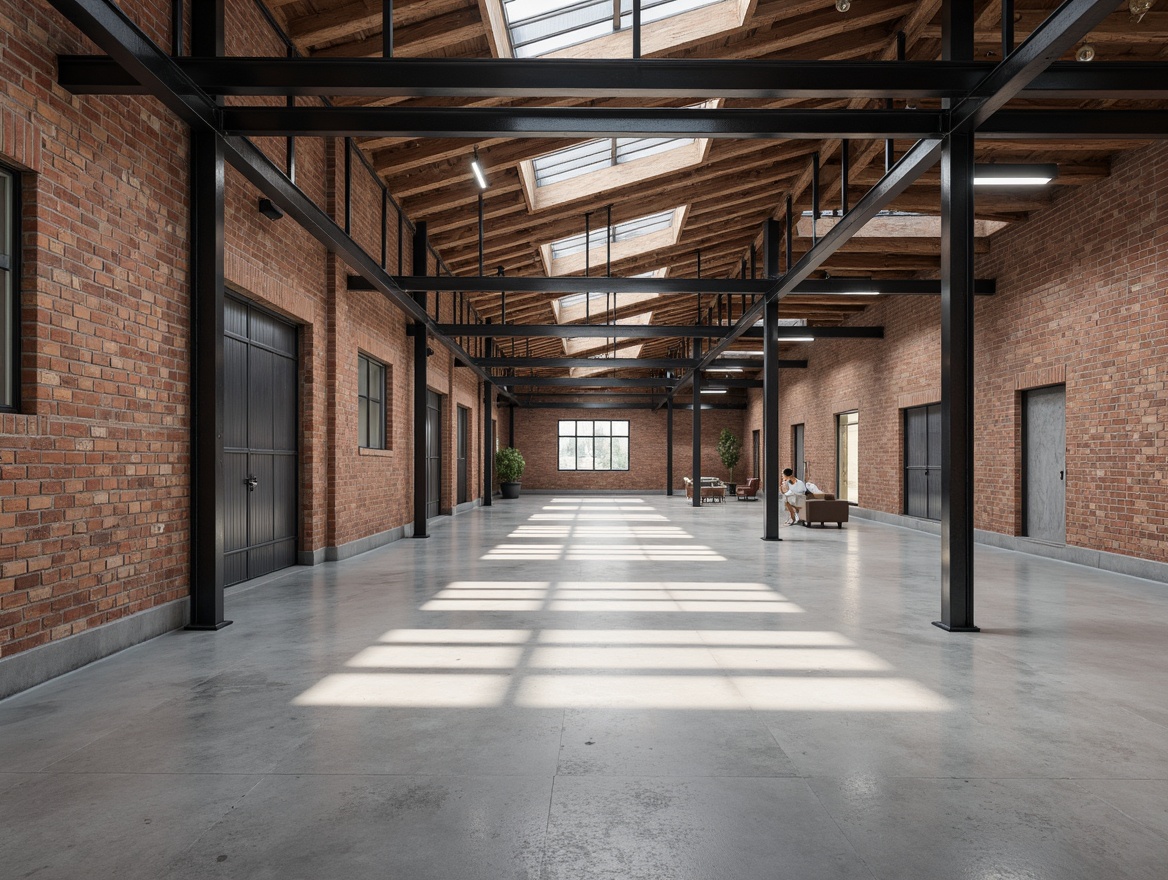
(29,668)
(370,542)
(1101,559)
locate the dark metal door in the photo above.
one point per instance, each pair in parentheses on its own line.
(260,442)
(463,442)
(798,465)
(1044,445)
(433,454)
(757,461)
(922,461)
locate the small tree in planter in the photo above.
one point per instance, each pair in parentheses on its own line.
(509,465)
(729,450)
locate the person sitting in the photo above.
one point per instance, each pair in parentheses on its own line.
(794,495)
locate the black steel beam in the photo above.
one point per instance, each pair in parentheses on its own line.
(1072,124)
(613,78)
(111,30)
(652,331)
(622,363)
(613,382)
(582,122)
(707,286)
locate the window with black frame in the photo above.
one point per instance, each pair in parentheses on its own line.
(370,403)
(594,445)
(9,287)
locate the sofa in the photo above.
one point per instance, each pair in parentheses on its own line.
(712,489)
(824,508)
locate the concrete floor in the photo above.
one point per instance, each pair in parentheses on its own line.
(578,688)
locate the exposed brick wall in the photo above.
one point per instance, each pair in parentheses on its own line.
(93,471)
(536,432)
(1082,299)
(95,468)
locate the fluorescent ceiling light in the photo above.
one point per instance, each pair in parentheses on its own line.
(796,339)
(724,369)
(477,169)
(713,391)
(1014,175)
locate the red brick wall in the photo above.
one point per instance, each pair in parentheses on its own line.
(536,431)
(1082,299)
(94,469)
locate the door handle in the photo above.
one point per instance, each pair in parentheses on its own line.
(1060,475)
(252,482)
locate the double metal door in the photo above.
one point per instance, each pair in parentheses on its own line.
(260,442)
(922,461)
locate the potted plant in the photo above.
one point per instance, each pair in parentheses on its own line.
(509,465)
(729,450)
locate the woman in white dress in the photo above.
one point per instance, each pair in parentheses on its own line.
(794,495)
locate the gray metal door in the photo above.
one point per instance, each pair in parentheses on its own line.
(922,461)
(798,465)
(463,428)
(1044,454)
(755,443)
(433,454)
(259,443)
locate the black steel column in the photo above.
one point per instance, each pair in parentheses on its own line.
(669,446)
(488,448)
(957,242)
(208,494)
(697,428)
(770,389)
(420,388)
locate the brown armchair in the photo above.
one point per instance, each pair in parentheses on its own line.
(748,491)
(823,509)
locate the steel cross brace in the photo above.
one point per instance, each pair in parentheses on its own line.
(1066,25)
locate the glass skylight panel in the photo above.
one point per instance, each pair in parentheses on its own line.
(596,155)
(620,232)
(539,27)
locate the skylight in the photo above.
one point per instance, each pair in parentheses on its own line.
(581,306)
(540,27)
(625,231)
(596,155)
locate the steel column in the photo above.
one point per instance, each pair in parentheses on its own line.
(669,448)
(208,492)
(696,476)
(488,440)
(957,374)
(421,344)
(770,392)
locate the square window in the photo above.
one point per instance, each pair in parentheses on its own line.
(594,445)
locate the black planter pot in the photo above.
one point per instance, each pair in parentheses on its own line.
(510,490)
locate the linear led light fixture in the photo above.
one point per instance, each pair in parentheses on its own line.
(713,391)
(723,369)
(1014,175)
(477,170)
(796,339)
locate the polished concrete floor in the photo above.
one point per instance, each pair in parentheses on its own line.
(576,688)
